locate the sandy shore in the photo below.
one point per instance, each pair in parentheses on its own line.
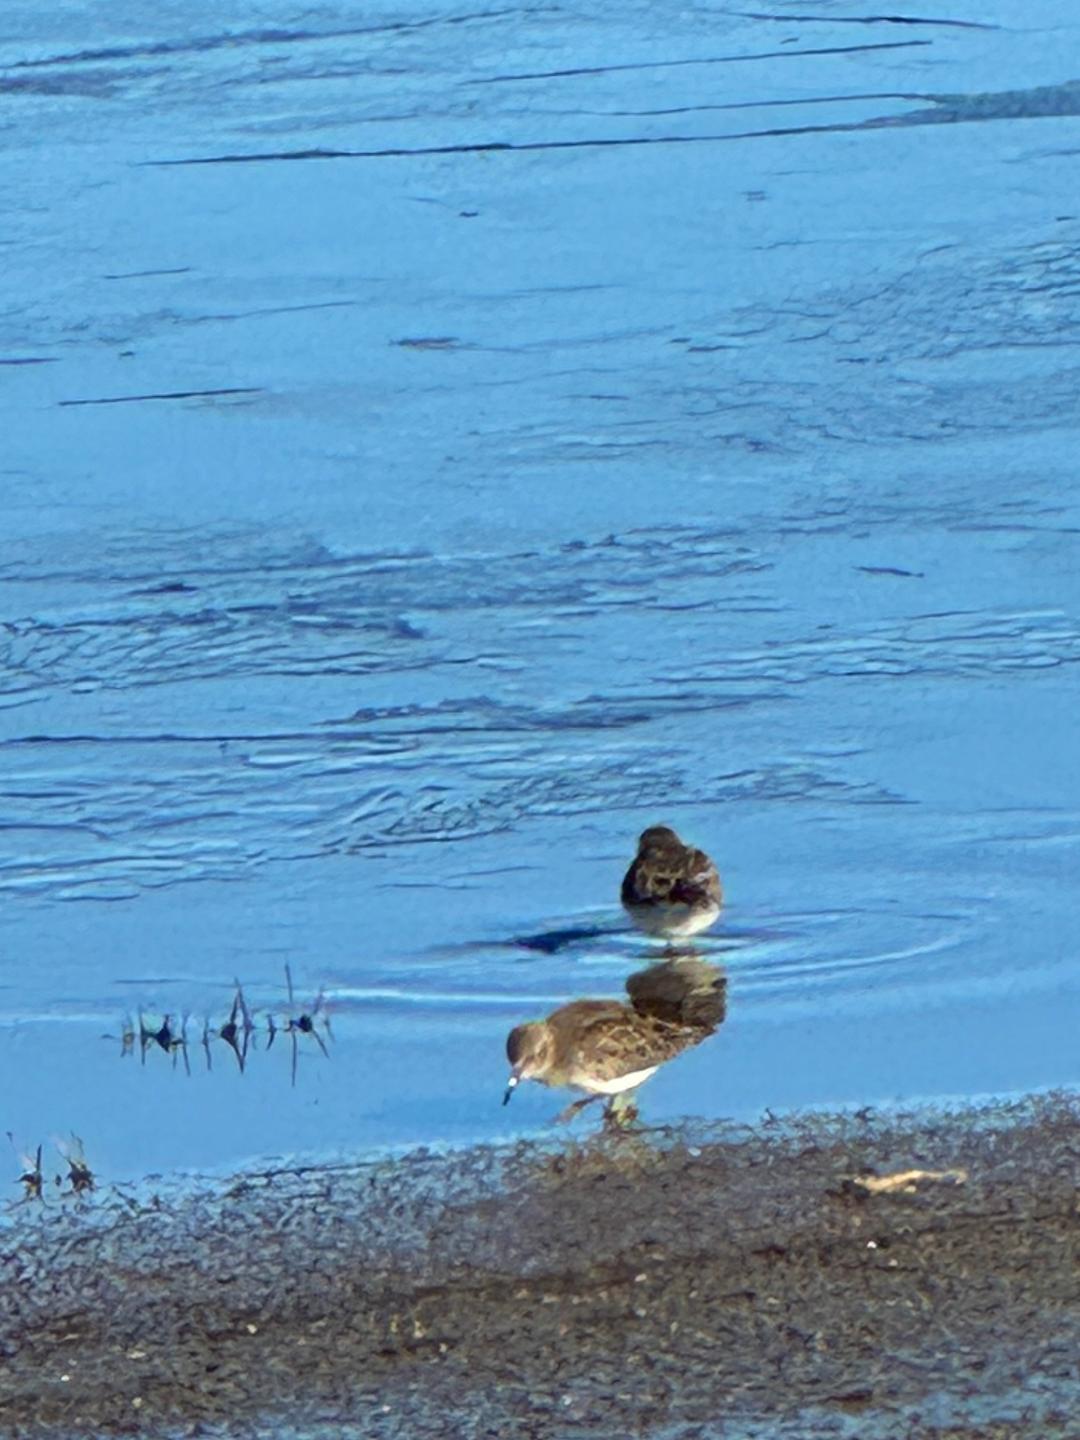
(745,1282)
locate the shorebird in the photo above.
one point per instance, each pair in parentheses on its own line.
(608,1048)
(671,889)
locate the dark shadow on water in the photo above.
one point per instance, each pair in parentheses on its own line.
(550,942)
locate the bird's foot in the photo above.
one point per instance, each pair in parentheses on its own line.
(621,1112)
(565,1116)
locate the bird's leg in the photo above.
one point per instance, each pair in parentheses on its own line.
(680,950)
(564,1116)
(621,1110)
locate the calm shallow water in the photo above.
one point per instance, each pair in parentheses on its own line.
(506,503)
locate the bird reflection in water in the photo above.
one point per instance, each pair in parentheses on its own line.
(608,1048)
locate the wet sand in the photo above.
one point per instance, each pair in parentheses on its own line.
(736,1281)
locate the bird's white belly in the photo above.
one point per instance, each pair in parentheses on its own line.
(673,919)
(616,1087)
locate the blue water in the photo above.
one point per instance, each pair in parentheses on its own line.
(503,502)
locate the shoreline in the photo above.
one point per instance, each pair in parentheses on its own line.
(795,1274)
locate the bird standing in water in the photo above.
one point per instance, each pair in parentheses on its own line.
(671,889)
(607,1047)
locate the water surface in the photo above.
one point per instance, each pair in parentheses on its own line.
(389,538)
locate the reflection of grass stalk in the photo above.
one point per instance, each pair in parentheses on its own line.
(238,1031)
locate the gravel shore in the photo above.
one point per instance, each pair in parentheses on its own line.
(911,1275)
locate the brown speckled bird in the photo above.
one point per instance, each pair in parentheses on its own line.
(608,1048)
(671,889)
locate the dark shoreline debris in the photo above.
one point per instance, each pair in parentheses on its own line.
(686,1281)
(31,1179)
(80,1177)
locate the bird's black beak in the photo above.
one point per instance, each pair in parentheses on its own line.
(510,1087)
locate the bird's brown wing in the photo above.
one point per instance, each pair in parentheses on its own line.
(581,1013)
(634,885)
(672,876)
(698,882)
(617,1045)
(649,881)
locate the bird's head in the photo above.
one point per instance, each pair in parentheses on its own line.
(528,1048)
